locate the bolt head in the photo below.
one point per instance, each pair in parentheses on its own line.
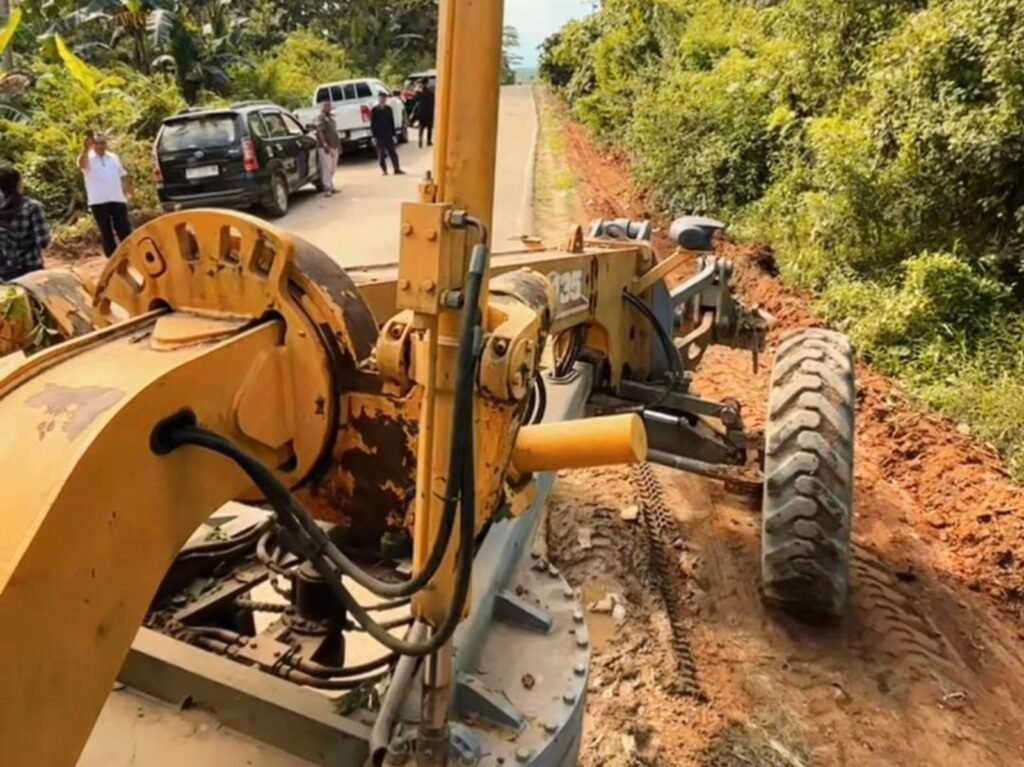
(407,229)
(429,286)
(550,728)
(582,641)
(577,616)
(569,698)
(580,669)
(431,235)
(523,754)
(403,284)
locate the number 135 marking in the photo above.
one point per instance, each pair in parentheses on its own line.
(569,287)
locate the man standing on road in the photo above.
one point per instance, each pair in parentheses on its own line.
(382,127)
(424,112)
(328,147)
(107,188)
(24,234)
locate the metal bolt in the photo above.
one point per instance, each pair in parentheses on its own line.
(431,235)
(569,697)
(407,229)
(253,645)
(403,284)
(453,299)
(429,286)
(398,747)
(552,571)
(568,593)
(523,754)
(550,728)
(577,615)
(580,669)
(582,641)
(500,347)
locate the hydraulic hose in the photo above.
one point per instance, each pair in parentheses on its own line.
(663,337)
(312,542)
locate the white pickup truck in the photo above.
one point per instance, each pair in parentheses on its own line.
(352,101)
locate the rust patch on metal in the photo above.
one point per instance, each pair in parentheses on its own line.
(73,408)
(64,299)
(369,485)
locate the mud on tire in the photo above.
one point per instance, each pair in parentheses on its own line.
(808,493)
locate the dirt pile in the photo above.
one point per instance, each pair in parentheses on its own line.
(923,671)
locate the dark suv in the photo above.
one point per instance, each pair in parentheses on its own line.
(248,154)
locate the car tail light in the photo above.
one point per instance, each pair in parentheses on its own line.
(365,112)
(158,175)
(252,162)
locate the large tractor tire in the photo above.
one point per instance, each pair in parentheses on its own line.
(808,492)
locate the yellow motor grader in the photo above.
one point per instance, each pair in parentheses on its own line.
(365,458)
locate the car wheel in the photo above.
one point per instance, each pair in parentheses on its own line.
(276,204)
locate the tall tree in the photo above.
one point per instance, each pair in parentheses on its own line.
(510,58)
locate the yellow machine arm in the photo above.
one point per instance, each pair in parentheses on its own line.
(267,345)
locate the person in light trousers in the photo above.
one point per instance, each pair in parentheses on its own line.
(328,147)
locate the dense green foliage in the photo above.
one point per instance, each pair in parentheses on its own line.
(134,62)
(877,144)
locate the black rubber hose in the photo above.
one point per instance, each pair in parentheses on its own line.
(294,519)
(319,550)
(668,347)
(337,672)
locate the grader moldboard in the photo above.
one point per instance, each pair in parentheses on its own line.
(379,446)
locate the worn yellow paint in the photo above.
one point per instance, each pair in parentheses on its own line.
(228,267)
(92,518)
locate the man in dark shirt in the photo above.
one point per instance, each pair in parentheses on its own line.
(382,127)
(424,111)
(24,234)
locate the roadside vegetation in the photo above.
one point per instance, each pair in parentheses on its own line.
(877,145)
(122,66)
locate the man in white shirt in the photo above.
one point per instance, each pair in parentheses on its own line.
(107,188)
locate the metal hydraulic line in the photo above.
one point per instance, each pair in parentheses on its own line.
(469,67)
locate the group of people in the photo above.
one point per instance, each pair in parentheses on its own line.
(24,231)
(382,129)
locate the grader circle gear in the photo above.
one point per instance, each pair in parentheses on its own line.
(808,492)
(235,269)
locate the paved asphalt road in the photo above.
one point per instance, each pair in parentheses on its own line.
(359,227)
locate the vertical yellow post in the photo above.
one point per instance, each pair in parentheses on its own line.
(469,77)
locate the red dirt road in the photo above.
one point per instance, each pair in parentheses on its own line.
(926,670)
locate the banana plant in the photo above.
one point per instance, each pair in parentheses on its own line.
(147,24)
(8,29)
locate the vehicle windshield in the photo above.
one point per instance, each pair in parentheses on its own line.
(199,133)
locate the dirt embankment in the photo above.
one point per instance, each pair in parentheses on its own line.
(926,670)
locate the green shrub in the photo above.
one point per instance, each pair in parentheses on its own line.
(876,144)
(290,72)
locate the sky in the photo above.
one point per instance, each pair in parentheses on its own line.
(536,19)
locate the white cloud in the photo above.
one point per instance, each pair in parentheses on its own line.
(536,19)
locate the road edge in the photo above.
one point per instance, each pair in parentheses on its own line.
(526,217)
